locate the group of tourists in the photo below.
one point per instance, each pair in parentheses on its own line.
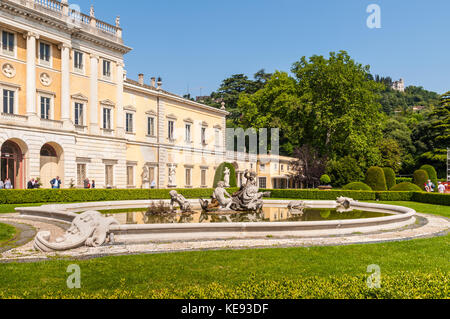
(33,184)
(430,187)
(88,185)
(7,184)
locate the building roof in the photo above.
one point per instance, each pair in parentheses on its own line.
(174,96)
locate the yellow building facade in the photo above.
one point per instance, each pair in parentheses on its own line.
(69,110)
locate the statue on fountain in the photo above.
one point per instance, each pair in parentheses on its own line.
(221,199)
(175,198)
(248,198)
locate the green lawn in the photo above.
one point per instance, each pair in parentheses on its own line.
(6,233)
(409,269)
(9,208)
(423,208)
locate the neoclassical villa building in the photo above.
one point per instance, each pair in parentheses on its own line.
(69,110)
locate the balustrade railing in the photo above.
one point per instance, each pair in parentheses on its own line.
(53,5)
(8,117)
(64,10)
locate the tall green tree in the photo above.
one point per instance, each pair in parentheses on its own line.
(231,89)
(437,138)
(329,103)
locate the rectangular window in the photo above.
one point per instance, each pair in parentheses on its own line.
(204,135)
(106,69)
(130,175)
(8,43)
(129,123)
(151,171)
(262,182)
(262,167)
(78,61)
(44,52)
(151,126)
(188,133)
(188,176)
(109,175)
(79,116)
(170,130)
(45,107)
(8,101)
(203,177)
(107,119)
(81,174)
(282,168)
(217,137)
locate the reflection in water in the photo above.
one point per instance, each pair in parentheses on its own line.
(268,214)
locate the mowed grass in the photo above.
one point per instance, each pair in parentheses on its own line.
(7,232)
(423,208)
(410,269)
(174,275)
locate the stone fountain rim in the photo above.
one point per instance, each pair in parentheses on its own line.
(67,212)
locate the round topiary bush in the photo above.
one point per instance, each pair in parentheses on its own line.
(357,186)
(325,180)
(432,174)
(220,173)
(420,178)
(406,187)
(389,174)
(375,179)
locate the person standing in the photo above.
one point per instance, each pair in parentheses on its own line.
(441,188)
(31,184)
(56,183)
(86,184)
(93,184)
(153,184)
(8,184)
(2,185)
(431,186)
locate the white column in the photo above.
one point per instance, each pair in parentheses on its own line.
(31,77)
(93,100)
(65,85)
(120,116)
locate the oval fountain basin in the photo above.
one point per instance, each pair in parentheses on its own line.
(268,215)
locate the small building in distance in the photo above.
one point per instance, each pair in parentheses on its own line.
(399,85)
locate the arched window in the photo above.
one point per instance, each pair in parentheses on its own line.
(48,151)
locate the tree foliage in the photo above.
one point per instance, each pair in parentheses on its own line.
(329,103)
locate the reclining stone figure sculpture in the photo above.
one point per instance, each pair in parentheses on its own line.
(90,229)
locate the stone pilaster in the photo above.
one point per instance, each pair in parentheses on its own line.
(120,116)
(32,113)
(65,86)
(162,151)
(94,126)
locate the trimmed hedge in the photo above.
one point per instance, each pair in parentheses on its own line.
(400,180)
(420,178)
(432,198)
(357,186)
(314,194)
(406,187)
(220,174)
(325,180)
(375,179)
(393,196)
(97,195)
(389,174)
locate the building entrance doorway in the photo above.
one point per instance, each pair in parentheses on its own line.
(12,164)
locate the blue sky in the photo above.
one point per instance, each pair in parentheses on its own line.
(199,43)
